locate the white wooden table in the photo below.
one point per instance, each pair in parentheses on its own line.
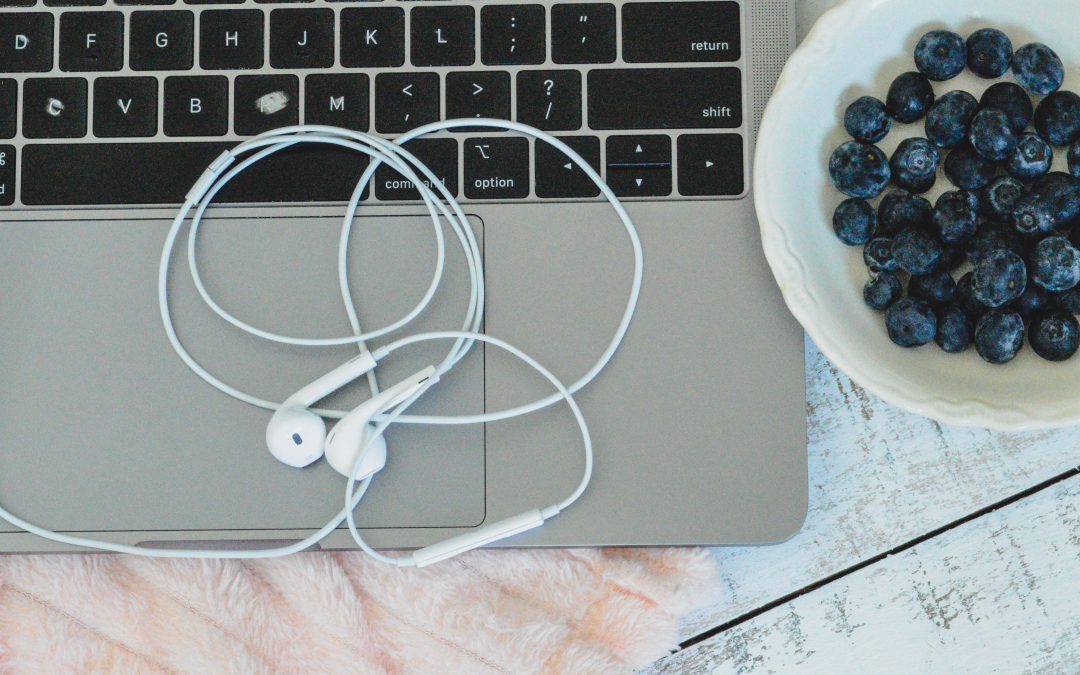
(927,549)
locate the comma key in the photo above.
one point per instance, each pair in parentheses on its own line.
(7,175)
(496,168)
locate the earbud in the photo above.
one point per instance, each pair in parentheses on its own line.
(297,436)
(349,436)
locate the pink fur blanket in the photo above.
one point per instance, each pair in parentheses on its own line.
(550,611)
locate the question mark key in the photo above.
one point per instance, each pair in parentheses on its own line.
(550,99)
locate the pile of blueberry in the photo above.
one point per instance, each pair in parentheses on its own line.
(997,258)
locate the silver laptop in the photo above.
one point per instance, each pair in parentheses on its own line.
(109,109)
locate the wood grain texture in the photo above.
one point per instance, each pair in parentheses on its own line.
(996,595)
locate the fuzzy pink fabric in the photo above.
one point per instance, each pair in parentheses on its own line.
(550,611)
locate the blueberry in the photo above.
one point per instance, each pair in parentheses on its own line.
(1055,336)
(965,297)
(1055,264)
(1012,100)
(1031,157)
(948,120)
(859,169)
(937,288)
(998,277)
(999,198)
(914,164)
(882,291)
(952,256)
(1068,301)
(991,134)
(992,236)
(1057,119)
(968,169)
(1030,302)
(999,335)
(866,120)
(954,216)
(1052,202)
(953,330)
(940,55)
(1073,156)
(878,255)
(1038,69)
(910,96)
(910,322)
(989,53)
(854,221)
(900,209)
(916,251)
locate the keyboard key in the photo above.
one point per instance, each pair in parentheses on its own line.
(231,39)
(17,3)
(497,168)
(196,106)
(54,107)
(214,2)
(162,173)
(405,101)
(549,99)
(478,94)
(710,164)
(677,98)
(302,38)
(74,3)
(26,42)
(557,176)
(673,32)
(512,35)
(583,33)
(9,107)
(639,166)
(265,102)
(443,36)
(438,154)
(339,100)
(372,37)
(125,106)
(162,40)
(7,175)
(91,41)
(145,2)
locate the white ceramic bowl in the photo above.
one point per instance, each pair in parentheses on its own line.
(857,49)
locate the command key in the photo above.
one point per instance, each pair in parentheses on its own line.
(7,175)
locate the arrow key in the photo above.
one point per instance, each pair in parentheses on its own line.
(478,94)
(710,164)
(558,177)
(639,166)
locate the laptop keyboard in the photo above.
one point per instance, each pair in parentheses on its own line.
(114,102)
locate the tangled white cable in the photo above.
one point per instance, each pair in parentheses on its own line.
(440,204)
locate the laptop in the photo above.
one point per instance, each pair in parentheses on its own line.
(110,109)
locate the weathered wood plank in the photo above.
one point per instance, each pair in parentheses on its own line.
(998,594)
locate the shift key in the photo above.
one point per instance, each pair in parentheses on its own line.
(665,98)
(7,175)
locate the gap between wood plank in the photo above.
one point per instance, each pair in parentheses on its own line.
(877,558)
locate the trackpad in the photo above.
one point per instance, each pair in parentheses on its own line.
(104,428)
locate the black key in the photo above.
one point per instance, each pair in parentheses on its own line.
(478,94)
(583,33)
(196,106)
(688,98)
(710,164)
(549,99)
(372,37)
(91,41)
(7,175)
(673,32)
(302,38)
(162,40)
(558,176)
(214,2)
(231,39)
(125,106)
(512,35)
(405,101)
(54,107)
(339,100)
(162,173)
(145,2)
(496,168)
(9,107)
(265,102)
(438,154)
(26,42)
(443,36)
(74,3)
(639,166)
(17,3)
